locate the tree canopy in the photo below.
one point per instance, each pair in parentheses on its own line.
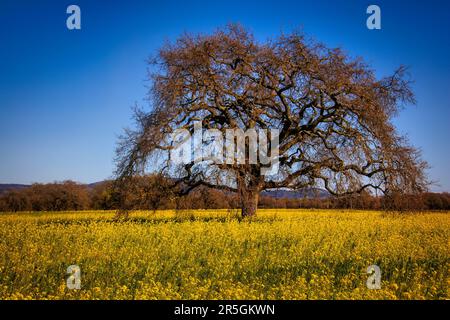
(333,116)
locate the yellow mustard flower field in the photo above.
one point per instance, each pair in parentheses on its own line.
(212,254)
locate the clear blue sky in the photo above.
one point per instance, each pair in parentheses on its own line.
(66,95)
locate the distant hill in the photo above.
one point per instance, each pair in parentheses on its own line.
(278,194)
(296,194)
(7,187)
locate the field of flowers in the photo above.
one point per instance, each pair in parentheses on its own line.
(281,254)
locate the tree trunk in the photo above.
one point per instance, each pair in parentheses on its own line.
(249,202)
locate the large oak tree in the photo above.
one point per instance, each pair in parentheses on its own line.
(333,115)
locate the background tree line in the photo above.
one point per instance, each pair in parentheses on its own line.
(152,192)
